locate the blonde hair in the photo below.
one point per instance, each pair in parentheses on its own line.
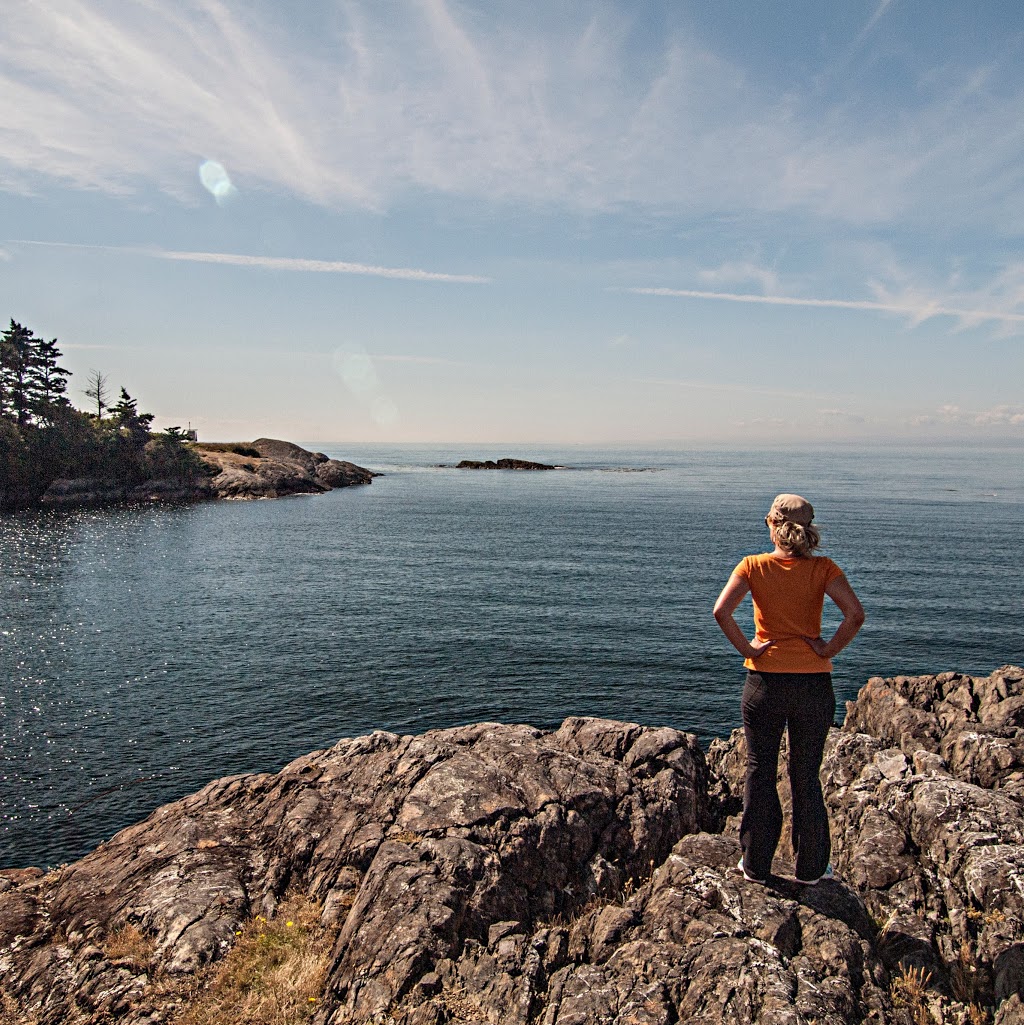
(793,538)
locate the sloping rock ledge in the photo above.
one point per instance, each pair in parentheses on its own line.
(278,469)
(495,873)
(265,468)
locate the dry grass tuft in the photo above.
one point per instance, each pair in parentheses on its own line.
(966,981)
(274,974)
(460,1007)
(129,944)
(407,837)
(909,990)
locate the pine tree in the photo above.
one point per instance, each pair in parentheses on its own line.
(132,424)
(52,380)
(18,375)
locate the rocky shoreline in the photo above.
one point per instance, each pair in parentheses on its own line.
(495,873)
(265,468)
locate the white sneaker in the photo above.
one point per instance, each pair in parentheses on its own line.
(747,875)
(827,874)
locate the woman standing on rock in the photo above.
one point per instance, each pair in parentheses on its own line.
(789,684)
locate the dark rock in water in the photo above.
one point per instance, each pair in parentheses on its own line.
(495,873)
(502,464)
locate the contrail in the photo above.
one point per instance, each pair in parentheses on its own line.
(320,266)
(920,312)
(271,262)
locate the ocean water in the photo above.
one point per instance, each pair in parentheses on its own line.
(145,651)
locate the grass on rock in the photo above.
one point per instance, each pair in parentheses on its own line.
(274,975)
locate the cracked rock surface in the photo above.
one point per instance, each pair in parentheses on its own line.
(498,873)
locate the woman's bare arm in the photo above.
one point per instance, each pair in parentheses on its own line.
(840,591)
(728,602)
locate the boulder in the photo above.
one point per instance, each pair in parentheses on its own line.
(431,840)
(496,873)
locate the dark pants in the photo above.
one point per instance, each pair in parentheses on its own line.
(806,704)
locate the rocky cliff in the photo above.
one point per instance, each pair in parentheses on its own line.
(496,873)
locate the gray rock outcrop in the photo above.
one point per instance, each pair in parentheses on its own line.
(278,469)
(495,873)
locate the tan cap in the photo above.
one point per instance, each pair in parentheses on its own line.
(792,508)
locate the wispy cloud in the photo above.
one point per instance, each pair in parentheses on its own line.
(624,341)
(419,360)
(553,109)
(739,272)
(317,266)
(273,262)
(1003,415)
(880,10)
(919,311)
(730,387)
(101,348)
(842,416)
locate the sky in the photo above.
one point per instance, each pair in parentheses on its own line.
(644,222)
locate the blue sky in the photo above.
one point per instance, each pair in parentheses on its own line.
(422,220)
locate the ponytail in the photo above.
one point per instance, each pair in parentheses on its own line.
(793,538)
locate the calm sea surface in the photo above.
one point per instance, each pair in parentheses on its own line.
(146,651)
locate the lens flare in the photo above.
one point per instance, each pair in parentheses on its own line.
(216,181)
(356,370)
(354,365)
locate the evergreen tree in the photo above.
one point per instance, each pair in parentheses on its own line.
(51,379)
(132,424)
(43,436)
(18,373)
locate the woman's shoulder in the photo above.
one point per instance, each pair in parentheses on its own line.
(825,565)
(750,562)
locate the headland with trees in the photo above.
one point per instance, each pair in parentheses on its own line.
(44,438)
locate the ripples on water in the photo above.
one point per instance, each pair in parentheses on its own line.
(146,651)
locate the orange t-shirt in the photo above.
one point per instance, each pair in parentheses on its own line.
(788,595)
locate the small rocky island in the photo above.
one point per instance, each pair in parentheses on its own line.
(497,873)
(502,464)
